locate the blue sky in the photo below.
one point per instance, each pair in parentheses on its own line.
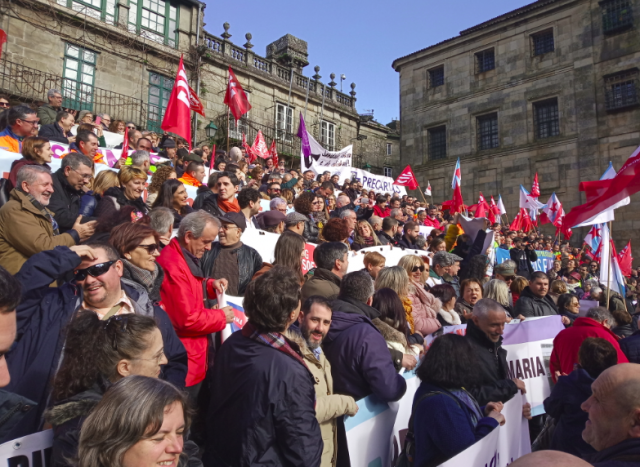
(359,38)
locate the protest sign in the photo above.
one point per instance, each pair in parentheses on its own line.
(239,317)
(528,344)
(321,159)
(503,445)
(377,183)
(307,260)
(31,450)
(544,262)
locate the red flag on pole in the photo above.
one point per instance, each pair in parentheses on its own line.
(196,104)
(407,178)
(235,97)
(125,144)
(3,39)
(252,156)
(259,147)
(535,189)
(273,151)
(177,117)
(625,259)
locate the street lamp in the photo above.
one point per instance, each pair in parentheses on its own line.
(342,78)
(210,130)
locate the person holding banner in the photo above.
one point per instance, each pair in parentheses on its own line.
(446,419)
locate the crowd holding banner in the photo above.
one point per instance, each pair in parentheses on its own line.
(294,312)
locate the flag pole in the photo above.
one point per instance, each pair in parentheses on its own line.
(424,199)
(228,130)
(609,270)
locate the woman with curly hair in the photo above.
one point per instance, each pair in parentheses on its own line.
(476,268)
(162,174)
(84,376)
(117,126)
(256,174)
(336,230)
(303,204)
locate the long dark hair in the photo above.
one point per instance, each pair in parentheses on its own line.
(165,195)
(388,303)
(475,269)
(288,250)
(93,349)
(450,363)
(564,300)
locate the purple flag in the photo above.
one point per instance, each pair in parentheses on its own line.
(302,134)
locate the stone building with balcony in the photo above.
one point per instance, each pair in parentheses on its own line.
(551,88)
(120,57)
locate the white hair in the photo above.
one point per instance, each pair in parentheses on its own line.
(195,223)
(275,202)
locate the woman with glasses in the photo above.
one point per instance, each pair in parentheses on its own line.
(424,306)
(173,195)
(97,354)
(303,204)
(138,246)
(129,193)
(35,151)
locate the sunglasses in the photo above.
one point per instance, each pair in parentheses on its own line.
(418,268)
(4,104)
(120,322)
(509,278)
(94,271)
(151,247)
(131,127)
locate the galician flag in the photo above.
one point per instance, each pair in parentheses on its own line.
(428,190)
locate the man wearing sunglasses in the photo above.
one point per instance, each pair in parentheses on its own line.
(22,122)
(45,311)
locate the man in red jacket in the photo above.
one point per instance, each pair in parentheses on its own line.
(566,344)
(183,296)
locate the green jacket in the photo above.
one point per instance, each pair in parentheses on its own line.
(47,114)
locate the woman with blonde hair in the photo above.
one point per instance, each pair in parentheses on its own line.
(103,181)
(396,279)
(129,193)
(365,236)
(498,290)
(162,174)
(425,306)
(558,287)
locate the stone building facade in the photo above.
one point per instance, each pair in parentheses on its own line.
(120,57)
(550,88)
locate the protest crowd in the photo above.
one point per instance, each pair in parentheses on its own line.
(112,321)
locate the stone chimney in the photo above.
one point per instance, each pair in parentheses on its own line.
(289,51)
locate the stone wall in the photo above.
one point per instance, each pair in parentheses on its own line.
(574,74)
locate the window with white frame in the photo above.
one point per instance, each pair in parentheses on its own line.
(387,171)
(328,135)
(284,122)
(78,77)
(389,149)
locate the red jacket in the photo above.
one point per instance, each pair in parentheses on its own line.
(567,344)
(435,223)
(183,299)
(377,211)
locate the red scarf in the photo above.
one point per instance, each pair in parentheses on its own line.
(229,206)
(187,179)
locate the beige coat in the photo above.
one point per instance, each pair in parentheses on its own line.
(25,231)
(329,406)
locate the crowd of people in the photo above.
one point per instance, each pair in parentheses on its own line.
(111,326)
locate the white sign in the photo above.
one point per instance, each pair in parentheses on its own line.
(320,159)
(391,253)
(31,450)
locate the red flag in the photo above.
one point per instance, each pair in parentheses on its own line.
(273,152)
(3,39)
(494,209)
(196,104)
(259,147)
(516,224)
(125,144)
(252,156)
(625,183)
(625,259)
(406,178)
(235,97)
(535,189)
(177,117)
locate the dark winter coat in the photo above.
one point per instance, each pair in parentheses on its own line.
(564,406)
(208,201)
(54,132)
(323,283)
(65,202)
(406,242)
(496,382)
(262,410)
(623,331)
(113,199)
(443,426)
(154,293)
(311,230)
(624,454)
(42,316)
(631,347)
(385,238)
(13,408)
(530,305)
(249,262)
(360,361)
(523,259)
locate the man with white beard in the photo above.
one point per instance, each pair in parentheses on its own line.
(27,227)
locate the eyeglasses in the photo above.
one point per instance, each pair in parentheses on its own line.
(94,271)
(4,104)
(151,247)
(31,122)
(84,176)
(157,359)
(228,226)
(418,268)
(509,278)
(276,189)
(131,127)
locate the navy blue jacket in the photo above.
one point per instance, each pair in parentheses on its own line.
(262,408)
(42,317)
(624,454)
(564,406)
(631,347)
(443,426)
(360,361)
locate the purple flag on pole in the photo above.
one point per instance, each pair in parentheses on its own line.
(302,134)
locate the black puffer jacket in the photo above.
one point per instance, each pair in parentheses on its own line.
(249,262)
(530,305)
(311,230)
(65,202)
(496,383)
